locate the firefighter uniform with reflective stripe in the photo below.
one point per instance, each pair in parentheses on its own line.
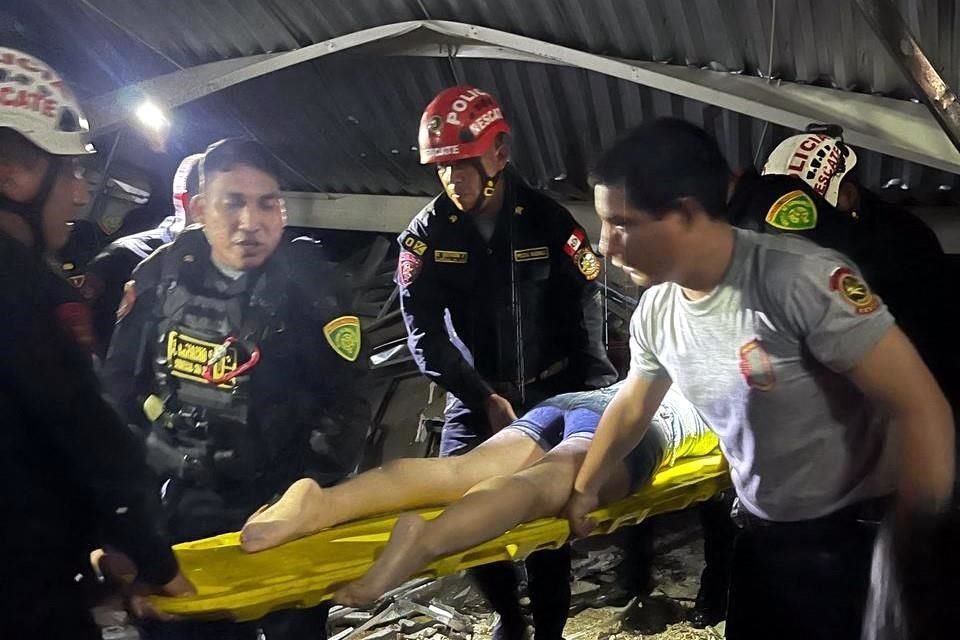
(520,312)
(250,382)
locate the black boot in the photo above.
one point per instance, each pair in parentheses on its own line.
(719,534)
(548,585)
(498,584)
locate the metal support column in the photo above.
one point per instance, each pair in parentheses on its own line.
(888,24)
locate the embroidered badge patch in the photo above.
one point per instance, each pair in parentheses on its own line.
(588,263)
(534,253)
(794,211)
(412,243)
(110,223)
(452,257)
(854,290)
(187,356)
(756,367)
(343,334)
(408,268)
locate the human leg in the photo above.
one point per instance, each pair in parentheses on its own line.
(402,484)
(486,511)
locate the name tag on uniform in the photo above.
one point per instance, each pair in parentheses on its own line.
(534,253)
(451,257)
(187,356)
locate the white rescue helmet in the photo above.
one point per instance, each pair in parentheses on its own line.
(818,159)
(38,105)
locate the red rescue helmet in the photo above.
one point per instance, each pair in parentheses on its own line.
(459,123)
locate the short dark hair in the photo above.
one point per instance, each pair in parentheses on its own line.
(660,162)
(224,155)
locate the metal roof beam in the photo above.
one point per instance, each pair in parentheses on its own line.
(895,127)
(180,87)
(888,24)
(392,214)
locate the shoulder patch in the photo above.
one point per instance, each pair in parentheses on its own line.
(413,243)
(575,241)
(588,263)
(75,318)
(408,268)
(794,211)
(854,290)
(343,335)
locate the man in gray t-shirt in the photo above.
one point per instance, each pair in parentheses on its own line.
(762,357)
(821,403)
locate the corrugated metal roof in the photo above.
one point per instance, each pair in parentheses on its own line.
(348,123)
(816,41)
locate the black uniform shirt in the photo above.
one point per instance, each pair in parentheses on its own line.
(72,476)
(471,306)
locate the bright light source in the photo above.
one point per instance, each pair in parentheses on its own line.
(151,116)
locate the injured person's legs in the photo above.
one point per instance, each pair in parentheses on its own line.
(489,509)
(403,484)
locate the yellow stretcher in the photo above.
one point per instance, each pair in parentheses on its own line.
(241,586)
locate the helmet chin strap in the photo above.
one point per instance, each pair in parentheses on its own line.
(490,184)
(32,211)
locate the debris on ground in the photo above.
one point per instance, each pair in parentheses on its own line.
(602,609)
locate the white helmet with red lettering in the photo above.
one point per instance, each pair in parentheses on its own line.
(36,103)
(818,158)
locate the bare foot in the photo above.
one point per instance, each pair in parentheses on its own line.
(404,555)
(302,510)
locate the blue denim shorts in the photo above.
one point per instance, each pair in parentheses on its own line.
(576,415)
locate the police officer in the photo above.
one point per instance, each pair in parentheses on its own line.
(72,477)
(105,275)
(899,254)
(233,351)
(501,308)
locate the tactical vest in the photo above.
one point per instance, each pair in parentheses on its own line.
(208,331)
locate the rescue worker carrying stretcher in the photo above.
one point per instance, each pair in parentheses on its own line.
(72,477)
(235,355)
(498,293)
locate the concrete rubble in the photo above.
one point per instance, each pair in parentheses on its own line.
(601,608)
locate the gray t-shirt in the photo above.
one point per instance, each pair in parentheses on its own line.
(761,358)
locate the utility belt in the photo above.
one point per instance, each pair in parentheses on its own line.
(194,448)
(870,512)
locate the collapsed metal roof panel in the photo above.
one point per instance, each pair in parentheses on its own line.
(348,124)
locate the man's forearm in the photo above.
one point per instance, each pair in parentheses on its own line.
(927,466)
(621,427)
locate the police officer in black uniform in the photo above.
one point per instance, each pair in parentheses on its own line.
(498,296)
(233,351)
(72,476)
(104,277)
